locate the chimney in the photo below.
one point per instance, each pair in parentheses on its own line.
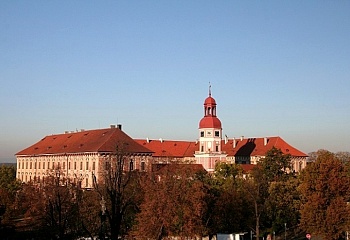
(119,126)
(265,141)
(234,143)
(147,139)
(112,126)
(161,140)
(242,138)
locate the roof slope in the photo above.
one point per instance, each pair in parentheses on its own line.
(100,140)
(169,148)
(257,147)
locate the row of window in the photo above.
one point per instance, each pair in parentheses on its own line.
(28,178)
(38,165)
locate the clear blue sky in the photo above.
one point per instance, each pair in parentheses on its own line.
(276,68)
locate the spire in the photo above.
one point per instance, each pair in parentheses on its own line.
(209,89)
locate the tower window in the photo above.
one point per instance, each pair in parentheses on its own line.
(202,148)
(217,148)
(202,133)
(217,134)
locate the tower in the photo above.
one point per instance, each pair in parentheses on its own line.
(210,136)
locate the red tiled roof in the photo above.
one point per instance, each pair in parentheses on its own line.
(257,147)
(245,147)
(247,167)
(169,148)
(100,140)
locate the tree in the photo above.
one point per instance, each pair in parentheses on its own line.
(275,165)
(256,186)
(8,190)
(51,206)
(325,194)
(173,203)
(230,200)
(119,192)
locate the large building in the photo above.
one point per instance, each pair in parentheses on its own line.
(82,154)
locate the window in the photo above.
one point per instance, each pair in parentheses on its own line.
(131,165)
(48,165)
(69,165)
(93,165)
(81,165)
(107,165)
(202,133)
(217,134)
(43,165)
(22,166)
(86,182)
(35,165)
(64,165)
(39,165)
(202,148)
(87,165)
(26,165)
(75,165)
(217,148)
(143,166)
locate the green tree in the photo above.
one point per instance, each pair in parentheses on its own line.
(275,165)
(325,193)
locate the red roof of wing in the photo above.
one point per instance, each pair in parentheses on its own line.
(210,122)
(173,168)
(169,148)
(256,147)
(247,167)
(100,140)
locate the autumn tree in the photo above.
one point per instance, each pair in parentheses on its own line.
(325,193)
(119,192)
(51,207)
(173,203)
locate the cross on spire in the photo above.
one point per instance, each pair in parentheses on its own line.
(209,89)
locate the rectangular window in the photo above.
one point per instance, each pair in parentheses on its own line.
(93,165)
(87,165)
(35,165)
(81,165)
(217,148)
(131,166)
(43,165)
(143,166)
(86,182)
(69,165)
(217,134)
(23,165)
(64,165)
(202,134)
(202,148)
(75,165)
(48,165)
(39,165)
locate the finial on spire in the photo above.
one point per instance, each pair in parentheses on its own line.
(209,89)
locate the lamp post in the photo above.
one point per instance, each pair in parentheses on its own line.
(285,231)
(103,217)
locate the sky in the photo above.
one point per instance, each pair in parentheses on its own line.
(276,68)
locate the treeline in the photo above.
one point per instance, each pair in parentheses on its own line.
(183,201)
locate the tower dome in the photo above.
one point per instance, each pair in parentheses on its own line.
(210,119)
